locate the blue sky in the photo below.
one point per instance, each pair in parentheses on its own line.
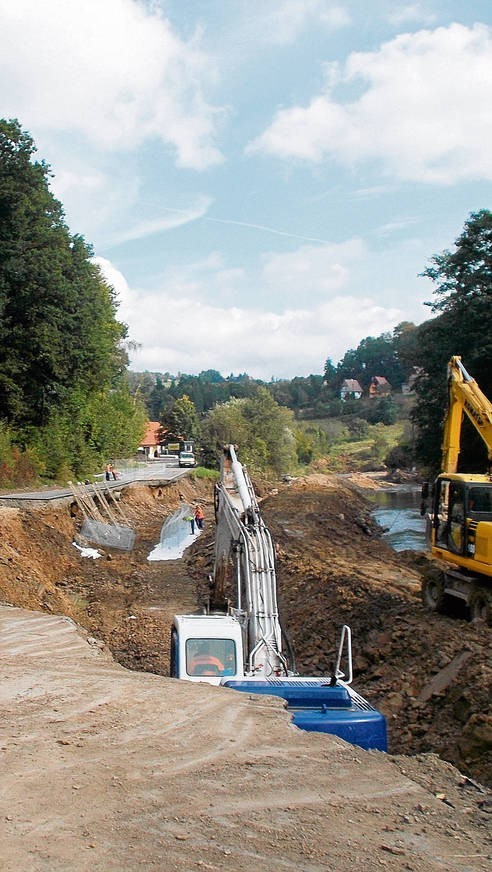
(262,180)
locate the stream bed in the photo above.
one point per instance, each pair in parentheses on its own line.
(397,510)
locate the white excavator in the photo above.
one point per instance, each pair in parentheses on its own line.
(239,641)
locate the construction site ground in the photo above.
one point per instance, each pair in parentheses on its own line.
(112,768)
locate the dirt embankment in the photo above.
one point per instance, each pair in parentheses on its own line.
(429,674)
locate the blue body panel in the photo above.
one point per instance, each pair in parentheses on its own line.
(323,708)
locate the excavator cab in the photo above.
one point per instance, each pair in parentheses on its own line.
(462,516)
(449,517)
(459,525)
(206,648)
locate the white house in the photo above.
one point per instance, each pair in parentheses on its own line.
(350,389)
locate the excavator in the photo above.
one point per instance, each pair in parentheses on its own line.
(238,642)
(459,525)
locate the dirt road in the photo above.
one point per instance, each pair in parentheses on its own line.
(106,768)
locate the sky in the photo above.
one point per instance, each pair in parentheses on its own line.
(262,181)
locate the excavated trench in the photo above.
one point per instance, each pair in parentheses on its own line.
(429,674)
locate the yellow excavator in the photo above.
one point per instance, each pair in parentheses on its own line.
(459,525)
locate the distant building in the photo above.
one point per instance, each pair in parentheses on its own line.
(350,389)
(379,387)
(151,444)
(408,386)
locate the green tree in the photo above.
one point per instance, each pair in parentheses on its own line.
(463,326)
(225,424)
(382,411)
(273,426)
(182,420)
(405,341)
(60,342)
(159,400)
(58,330)
(262,430)
(330,375)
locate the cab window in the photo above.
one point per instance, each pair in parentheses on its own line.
(480,502)
(210,657)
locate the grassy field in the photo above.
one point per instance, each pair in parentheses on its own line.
(347,452)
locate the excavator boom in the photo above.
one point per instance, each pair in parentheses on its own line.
(243,543)
(465,397)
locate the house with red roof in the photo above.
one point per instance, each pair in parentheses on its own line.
(154,437)
(379,387)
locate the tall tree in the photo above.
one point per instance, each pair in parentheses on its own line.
(182,420)
(58,329)
(61,345)
(462,326)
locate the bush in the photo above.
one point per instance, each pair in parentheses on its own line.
(18,467)
(383,411)
(400,457)
(358,428)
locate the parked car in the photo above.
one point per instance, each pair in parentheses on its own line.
(187,458)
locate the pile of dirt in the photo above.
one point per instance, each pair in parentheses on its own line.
(428,673)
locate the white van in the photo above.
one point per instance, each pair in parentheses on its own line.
(187,458)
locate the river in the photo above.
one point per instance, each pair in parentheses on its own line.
(397,510)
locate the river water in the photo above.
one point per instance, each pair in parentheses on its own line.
(397,510)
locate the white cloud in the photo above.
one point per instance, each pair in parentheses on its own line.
(410,13)
(283,22)
(180,332)
(116,279)
(256,23)
(424,112)
(98,199)
(297,342)
(173,218)
(311,272)
(115,73)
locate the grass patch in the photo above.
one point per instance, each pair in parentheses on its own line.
(202,472)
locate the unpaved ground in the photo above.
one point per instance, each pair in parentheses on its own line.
(109,769)
(430,674)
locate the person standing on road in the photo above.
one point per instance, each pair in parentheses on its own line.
(199,517)
(108,471)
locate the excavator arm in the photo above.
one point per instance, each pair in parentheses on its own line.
(241,647)
(465,397)
(244,546)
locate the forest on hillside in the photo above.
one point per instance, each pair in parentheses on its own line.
(68,401)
